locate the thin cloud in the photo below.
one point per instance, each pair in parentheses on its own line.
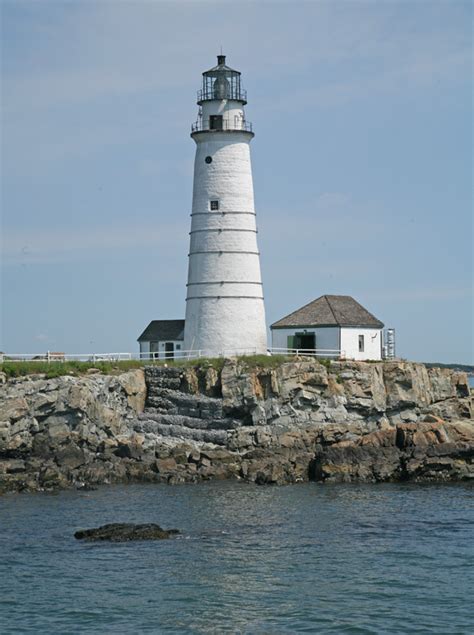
(50,101)
(423,294)
(23,247)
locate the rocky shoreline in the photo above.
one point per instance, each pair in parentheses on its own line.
(343,421)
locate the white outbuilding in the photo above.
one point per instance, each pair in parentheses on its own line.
(162,339)
(335,326)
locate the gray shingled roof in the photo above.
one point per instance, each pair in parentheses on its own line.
(161,330)
(330,310)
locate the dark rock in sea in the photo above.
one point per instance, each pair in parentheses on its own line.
(125,532)
(84,487)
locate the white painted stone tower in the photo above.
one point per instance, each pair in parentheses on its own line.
(225,311)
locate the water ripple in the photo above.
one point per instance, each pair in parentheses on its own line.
(384,559)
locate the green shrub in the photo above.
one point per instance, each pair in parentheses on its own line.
(325,362)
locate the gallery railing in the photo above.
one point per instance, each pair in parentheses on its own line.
(227,126)
(230,92)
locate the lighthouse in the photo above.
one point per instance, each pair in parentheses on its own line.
(225,312)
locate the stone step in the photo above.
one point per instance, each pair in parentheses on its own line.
(198,406)
(171,371)
(161,405)
(164,382)
(153,372)
(189,422)
(219,437)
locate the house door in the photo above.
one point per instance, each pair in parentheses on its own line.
(169,350)
(154,350)
(215,122)
(305,341)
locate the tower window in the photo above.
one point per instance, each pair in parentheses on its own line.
(361,343)
(208,159)
(214,205)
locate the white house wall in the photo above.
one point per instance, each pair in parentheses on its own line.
(334,338)
(327,338)
(176,343)
(372,343)
(160,353)
(144,348)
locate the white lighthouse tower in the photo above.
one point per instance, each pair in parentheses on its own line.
(225,311)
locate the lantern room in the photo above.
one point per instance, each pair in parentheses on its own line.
(221,82)
(221,101)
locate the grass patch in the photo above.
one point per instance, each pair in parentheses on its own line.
(57,369)
(202,362)
(262,361)
(76,368)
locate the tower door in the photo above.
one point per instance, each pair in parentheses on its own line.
(215,122)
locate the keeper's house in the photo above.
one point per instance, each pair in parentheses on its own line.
(335,325)
(162,339)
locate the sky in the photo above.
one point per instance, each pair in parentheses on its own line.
(362,163)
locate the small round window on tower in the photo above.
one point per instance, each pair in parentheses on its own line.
(208,159)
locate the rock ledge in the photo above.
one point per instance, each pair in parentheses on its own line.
(299,420)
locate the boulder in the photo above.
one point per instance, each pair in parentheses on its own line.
(13,409)
(443,384)
(125,532)
(166,465)
(71,456)
(134,386)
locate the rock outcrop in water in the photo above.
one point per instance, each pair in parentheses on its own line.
(125,532)
(302,419)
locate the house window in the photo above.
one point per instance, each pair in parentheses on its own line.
(178,347)
(361,343)
(214,205)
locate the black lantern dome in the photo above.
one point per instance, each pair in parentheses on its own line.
(221,82)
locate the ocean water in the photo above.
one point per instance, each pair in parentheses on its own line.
(309,558)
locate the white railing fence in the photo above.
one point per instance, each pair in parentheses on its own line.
(167,355)
(311,352)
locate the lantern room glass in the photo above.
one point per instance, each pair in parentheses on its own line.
(221,82)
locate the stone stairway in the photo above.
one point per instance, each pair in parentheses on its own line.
(171,412)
